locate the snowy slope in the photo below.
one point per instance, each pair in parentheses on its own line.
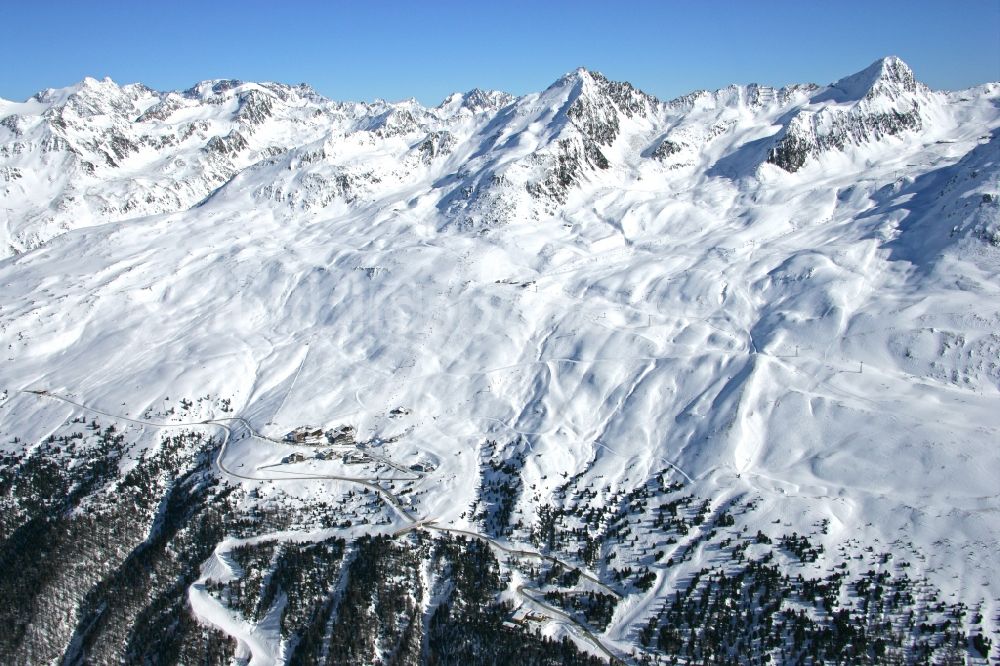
(789,296)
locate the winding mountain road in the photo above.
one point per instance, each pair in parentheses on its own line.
(391,498)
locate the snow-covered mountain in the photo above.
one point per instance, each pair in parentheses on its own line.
(741,334)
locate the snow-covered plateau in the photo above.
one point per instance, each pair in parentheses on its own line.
(564,378)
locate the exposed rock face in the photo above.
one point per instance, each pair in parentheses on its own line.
(882,101)
(393,122)
(477,100)
(161,110)
(255,108)
(435,144)
(600,103)
(567,168)
(665,149)
(232,144)
(810,134)
(13,123)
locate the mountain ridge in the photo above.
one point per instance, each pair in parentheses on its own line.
(137,120)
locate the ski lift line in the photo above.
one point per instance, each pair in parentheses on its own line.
(295,378)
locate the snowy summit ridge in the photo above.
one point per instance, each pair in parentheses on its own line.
(164,152)
(889,77)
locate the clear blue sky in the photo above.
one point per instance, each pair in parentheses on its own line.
(364,49)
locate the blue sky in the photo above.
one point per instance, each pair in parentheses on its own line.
(362,50)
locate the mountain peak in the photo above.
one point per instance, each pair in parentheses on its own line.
(592,83)
(58,96)
(579,78)
(478,99)
(91,82)
(211,88)
(886,77)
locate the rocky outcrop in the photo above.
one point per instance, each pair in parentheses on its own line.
(255,108)
(566,168)
(884,100)
(231,144)
(434,145)
(600,103)
(809,134)
(161,110)
(392,122)
(477,100)
(14,124)
(665,149)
